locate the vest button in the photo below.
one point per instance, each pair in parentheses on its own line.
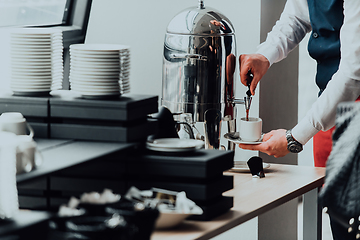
(315,35)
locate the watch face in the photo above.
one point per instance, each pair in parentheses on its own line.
(295,148)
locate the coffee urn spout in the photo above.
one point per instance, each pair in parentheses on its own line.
(201,4)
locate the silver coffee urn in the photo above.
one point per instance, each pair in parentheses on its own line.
(199,77)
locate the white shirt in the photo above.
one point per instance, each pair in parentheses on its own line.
(287,33)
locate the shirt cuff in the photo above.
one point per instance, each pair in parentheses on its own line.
(303,131)
(270,52)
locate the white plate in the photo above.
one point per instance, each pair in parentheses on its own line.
(31,56)
(95,82)
(30,40)
(36,61)
(30,81)
(32,77)
(93,56)
(31,51)
(90,91)
(53,44)
(95,88)
(15,43)
(30,85)
(99,47)
(75,76)
(95,53)
(89,95)
(18,67)
(35,30)
(95,71)
(40,89)
(34,38)
(30,88)
(109,67)
(39,51)
(35,68)
(36,73)
(238,140)
(241,166)
(92,60)
(95,92)
(174,145)
(94,63)
(84,67)
(32,48)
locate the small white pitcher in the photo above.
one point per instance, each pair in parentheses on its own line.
(16,123)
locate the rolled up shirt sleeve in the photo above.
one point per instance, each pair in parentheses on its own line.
(288,31)
(321,116)
(345,83)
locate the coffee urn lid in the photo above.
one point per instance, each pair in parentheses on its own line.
(200,20)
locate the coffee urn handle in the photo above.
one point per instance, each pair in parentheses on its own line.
(188,56)
(236,101)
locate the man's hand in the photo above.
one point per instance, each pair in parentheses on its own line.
(258,64)
(274,144)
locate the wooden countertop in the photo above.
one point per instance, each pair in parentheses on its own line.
(252,197)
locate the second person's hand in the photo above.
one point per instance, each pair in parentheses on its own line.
(274,144)
(258,64)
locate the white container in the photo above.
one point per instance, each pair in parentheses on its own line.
(16,123)
(9,203)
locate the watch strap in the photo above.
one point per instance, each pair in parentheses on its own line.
(293,145)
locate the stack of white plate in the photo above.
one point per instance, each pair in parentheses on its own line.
(36,60)
(99,70)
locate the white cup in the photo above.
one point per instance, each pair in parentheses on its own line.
(250,131)
(25,154)
(16,123)
(9,204)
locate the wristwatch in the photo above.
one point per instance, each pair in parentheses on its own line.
(293,145)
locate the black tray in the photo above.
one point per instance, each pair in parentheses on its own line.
(195,190)
(127,107)
(28,106)
(132,133)
(199,164)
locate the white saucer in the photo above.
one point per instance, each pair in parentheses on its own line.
(174,145)
(238,140)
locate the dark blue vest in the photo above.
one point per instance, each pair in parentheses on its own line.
(326,17)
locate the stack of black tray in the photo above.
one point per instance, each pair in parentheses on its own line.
(199,174)
(118,120)
(65,115)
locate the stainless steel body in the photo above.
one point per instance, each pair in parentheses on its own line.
(199,64)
